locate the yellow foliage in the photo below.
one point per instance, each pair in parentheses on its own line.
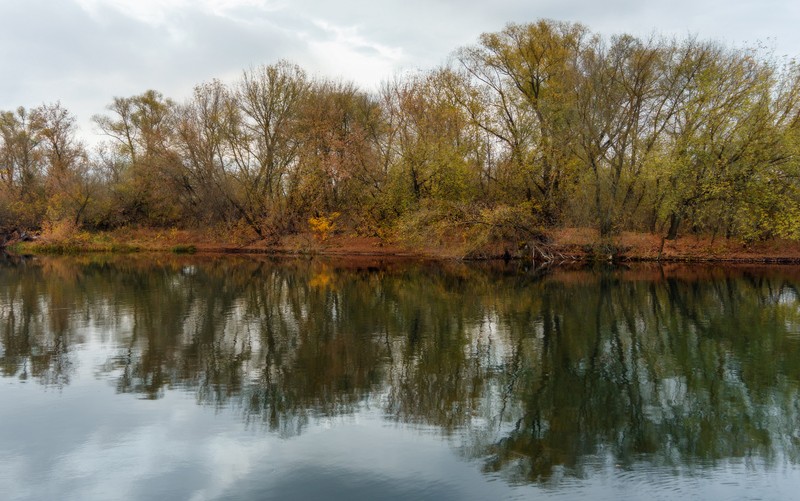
(61,230)
(323,226)
(321,280)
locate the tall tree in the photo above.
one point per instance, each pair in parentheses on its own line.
(627,97)
(528,72)
(728,144)
(204,152)
(261,135)
(22,168)
(141,129)
(338,150)
(70,182)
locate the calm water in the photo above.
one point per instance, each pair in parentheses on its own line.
(245,378)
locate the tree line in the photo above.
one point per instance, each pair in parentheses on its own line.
(538,126)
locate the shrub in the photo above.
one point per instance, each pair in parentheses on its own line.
(323,226)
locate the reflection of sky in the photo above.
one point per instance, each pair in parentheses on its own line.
(83,442)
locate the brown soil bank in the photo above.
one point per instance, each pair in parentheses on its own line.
(569,244)
(648,247)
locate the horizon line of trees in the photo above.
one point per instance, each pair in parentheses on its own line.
(538,126)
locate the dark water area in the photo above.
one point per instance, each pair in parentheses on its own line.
(167,377)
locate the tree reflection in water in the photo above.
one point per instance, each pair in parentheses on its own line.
(531,371)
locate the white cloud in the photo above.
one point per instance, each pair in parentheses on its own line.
(345,53)
(153,12)
(229,460)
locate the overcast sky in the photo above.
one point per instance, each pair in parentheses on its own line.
(85,52)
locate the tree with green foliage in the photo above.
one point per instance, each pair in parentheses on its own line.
(141,129)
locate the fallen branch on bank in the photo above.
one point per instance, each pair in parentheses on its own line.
(11,236)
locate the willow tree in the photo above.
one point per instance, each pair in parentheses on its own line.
(528,73)
(627,98)
(433,150)
(44,169)
(731,162)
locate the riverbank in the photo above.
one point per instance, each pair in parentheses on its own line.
(564,245)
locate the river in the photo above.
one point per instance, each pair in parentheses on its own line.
(208,377)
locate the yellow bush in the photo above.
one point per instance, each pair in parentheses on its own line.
(323,226)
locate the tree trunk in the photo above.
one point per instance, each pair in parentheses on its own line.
(674,224)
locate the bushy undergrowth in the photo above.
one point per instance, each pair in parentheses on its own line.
(472,231)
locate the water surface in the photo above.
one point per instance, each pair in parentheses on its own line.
(151,377)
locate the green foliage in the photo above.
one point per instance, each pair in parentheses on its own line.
(183,249)
(75,247)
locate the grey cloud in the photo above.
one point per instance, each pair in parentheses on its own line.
(54,50)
